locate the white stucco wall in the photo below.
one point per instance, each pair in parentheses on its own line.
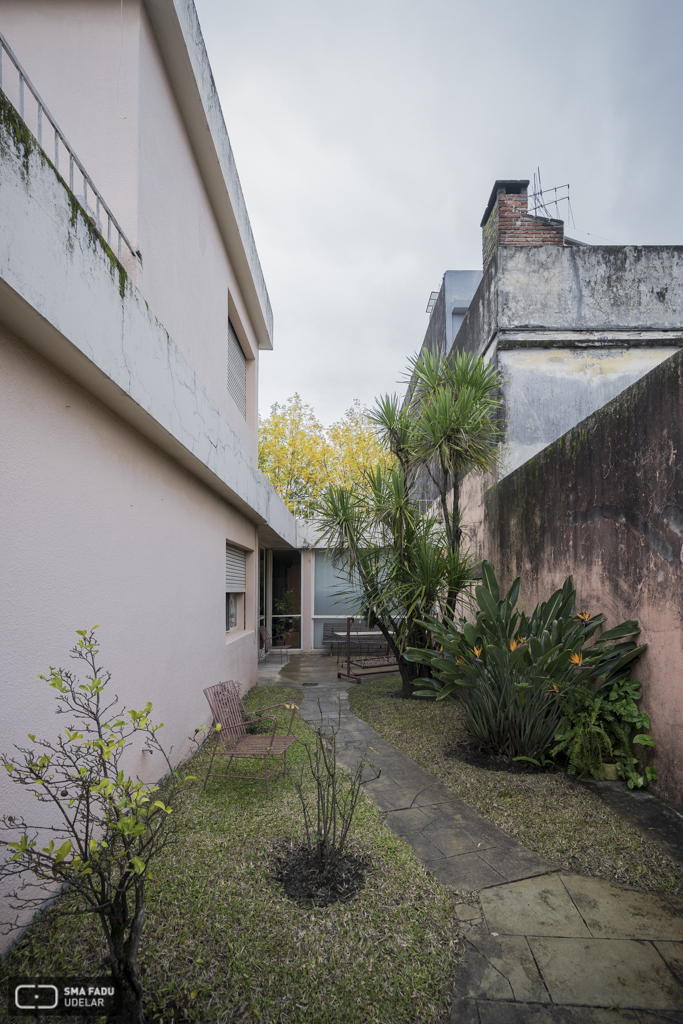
(99,68)
(99,526)
(60,290)
(186,275)
(83,58)
(126,466)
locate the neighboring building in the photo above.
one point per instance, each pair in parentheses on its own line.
(588,340)
(132,320)
(447,308)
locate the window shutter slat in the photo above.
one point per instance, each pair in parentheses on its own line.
(237,371)
(235,571)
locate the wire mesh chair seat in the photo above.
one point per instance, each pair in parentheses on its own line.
(228,712)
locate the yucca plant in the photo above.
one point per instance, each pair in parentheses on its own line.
(511,673)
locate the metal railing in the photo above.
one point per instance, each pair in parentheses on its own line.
(76,168)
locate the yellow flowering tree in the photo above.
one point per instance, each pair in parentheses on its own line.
(301,457)
(355,447)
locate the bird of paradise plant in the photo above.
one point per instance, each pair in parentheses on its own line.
(513,693)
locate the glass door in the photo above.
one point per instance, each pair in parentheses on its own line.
(286,607)
(261,595)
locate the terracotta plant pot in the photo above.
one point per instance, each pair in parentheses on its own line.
(610,773)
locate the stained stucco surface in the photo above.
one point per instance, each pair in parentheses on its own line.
(550,390)
(605,504)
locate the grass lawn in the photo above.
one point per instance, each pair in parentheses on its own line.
(219,925)
(551,813)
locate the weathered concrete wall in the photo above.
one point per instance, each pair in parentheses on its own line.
(605,504)
(544,296)
(627,287)
(570,328)
(548,391)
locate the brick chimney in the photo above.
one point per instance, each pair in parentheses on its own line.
(506,221)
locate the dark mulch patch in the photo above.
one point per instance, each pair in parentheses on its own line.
(400,695)
(298,873)
(468,751)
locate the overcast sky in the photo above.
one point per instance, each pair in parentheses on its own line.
(368,136)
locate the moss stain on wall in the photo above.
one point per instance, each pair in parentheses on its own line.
(14,132)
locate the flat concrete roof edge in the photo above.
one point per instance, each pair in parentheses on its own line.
(179,36)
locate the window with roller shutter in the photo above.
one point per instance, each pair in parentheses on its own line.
(235,586)
(237,371)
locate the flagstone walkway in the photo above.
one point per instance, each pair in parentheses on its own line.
(546,947)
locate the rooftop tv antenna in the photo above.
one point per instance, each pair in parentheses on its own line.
(545,202)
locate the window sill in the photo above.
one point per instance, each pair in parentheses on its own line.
(232,635)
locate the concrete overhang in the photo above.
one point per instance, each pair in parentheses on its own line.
(64,293)
(179,37)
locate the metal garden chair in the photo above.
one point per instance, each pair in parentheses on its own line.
(274,643)
(228,712)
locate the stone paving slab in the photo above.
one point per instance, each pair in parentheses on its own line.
(468,1011)
(511,958)
(616,912)
(660,1016)
(514,861)
(538,906)
(464,873)
(606,972)
(672,952)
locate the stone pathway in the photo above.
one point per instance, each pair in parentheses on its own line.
(546,947)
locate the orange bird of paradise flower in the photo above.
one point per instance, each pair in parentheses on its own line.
(553,689)
(583,615)
(576,659)
(514,644)
(477,652)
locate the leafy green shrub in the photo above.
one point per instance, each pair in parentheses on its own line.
(108,827)
(511,674)
(597,727)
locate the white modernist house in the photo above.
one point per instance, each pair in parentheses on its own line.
(133,313)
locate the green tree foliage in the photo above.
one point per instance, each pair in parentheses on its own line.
(108,827)
(446,428)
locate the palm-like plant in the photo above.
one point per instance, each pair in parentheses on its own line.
(396,557)
(445,428)
(407,564)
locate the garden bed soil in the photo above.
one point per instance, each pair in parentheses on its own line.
(305,883)
(469,752)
